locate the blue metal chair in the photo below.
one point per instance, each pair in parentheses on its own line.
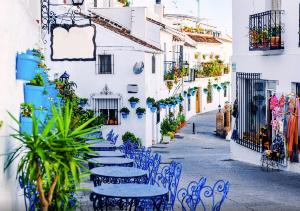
(193,197)
(31,195)
(129,149)
(110,135)
(142,158)
(114,140)
(168,178)
(154,163)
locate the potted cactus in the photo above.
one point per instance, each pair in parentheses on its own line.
(140,112)
(25,118)
(150,101)
(124,111)
(133,101)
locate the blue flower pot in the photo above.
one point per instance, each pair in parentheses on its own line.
(133,104)
(124,115)
(58,101)
(26,65)
(153,109)
(188,97)
(184,94)
(149,105)
(34,95)
(52,91)
(193,93)
(161,105)
(140,116)
(43,74)
(26,125)
(47,102)
(41,115)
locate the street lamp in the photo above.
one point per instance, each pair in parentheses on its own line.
(77,2)
(64,77)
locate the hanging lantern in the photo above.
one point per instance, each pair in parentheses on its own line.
(77,2)
(64,77)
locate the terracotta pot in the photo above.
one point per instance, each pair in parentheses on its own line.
(275,40)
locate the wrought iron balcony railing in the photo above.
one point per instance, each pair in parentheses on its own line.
(265,31)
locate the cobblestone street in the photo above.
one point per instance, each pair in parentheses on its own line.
(204,154)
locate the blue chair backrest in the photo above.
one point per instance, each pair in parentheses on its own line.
(197,194)
(114,139)
(169,178)
(129,149)
(110,134)
(153,168)
(142,158)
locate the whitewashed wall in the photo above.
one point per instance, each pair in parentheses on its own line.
(19,31)
(274,65)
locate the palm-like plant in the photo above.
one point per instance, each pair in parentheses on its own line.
(52,159)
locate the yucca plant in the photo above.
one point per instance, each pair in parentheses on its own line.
(51,160)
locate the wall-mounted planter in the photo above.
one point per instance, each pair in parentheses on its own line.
(26,65)
(149,105)
(52,91)
(124,115)
(162,105)
(26,125)
(34,95)
(43,74)
(153,109)
(189,97)
(133,104)
(41,115)
(59,101)
(140,115)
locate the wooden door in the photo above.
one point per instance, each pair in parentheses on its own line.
(198,101)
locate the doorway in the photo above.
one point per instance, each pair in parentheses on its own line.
(198,101)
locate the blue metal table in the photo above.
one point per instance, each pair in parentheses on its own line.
(118,175)
(106,154)
(129,196)
(109,161)
(103,146)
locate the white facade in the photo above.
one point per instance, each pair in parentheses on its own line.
(19,31)
(155,38)
(274,65)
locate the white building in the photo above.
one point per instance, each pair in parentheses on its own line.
(265,57)
(18,33)
(126,36)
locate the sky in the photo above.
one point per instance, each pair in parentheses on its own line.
(217,12)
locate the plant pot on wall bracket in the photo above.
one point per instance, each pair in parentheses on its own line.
(26,125)
(43,74)
(34,95)
(133,104)
(153,109)
(140,115)
(124,115)
(26,66)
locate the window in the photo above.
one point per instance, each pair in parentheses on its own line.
(153,64)
(108,109)
(95,3)
(105,64)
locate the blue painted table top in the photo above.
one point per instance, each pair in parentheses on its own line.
(103,144)
(107,154)
(118,171)
(110,160)
(130,190)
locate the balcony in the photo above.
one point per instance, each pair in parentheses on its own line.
(265,31)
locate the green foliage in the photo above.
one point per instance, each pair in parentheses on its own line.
(181,118)
(150,100)
(125,110)
(213,68)
(52,157)
(27,109)
(140,110)
(134,100)
(169,76)
(128,136)
(37,80)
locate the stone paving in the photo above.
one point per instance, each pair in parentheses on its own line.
(204,154)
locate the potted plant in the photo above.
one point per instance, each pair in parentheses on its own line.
(45,162)
(169,85)
(129,136)
(140,112)
(275,38)
(162,103)
(164,130)
(219,88)
(189,96)
(25,118)
(26,65)
(150,101)
(205,90)
(33,91)
(154,108)
(124,111)
(184,93)
(133,101)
